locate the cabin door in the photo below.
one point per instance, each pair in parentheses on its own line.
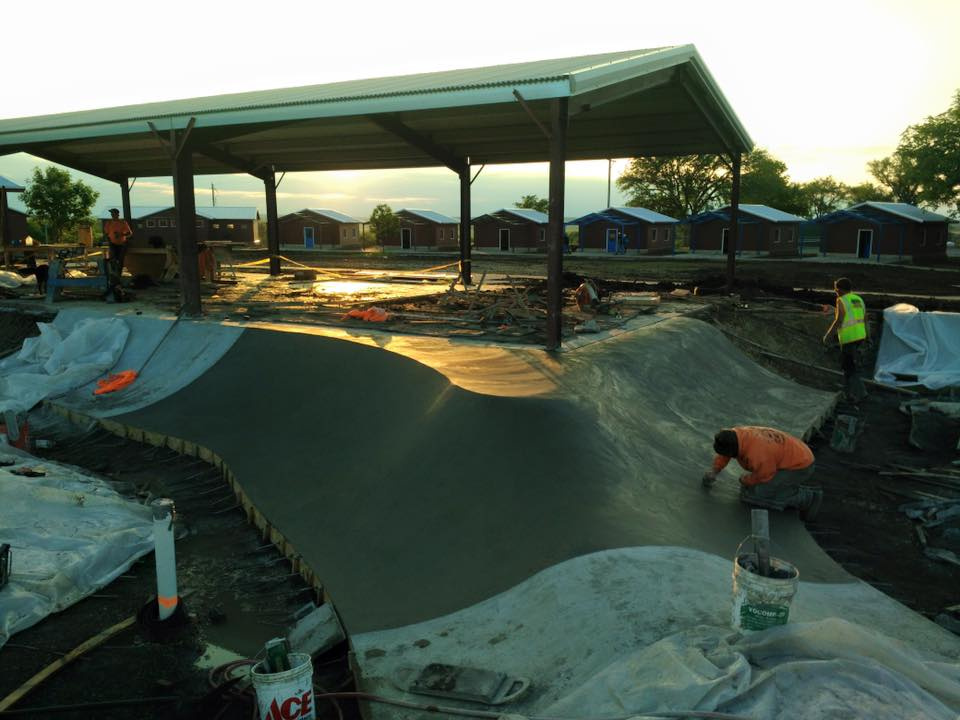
(864,243)
(406,238)
(504,240)
(308,241)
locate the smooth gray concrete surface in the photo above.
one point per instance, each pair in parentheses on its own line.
(412,497)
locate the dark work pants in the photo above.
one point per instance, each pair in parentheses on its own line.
(781,492)
(850,364)
(117,254)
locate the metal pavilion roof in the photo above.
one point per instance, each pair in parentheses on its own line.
(660,101)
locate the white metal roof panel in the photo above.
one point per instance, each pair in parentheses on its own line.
(220,212)
(904,210)
(227,212)
(527,214)
(9,185)
(646,215)
(770,214)
(334,215)
(430,215)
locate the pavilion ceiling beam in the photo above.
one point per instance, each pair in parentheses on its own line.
(226,157)
(424,144)
(62,157)
(722,134)
(618,91)
(529,110)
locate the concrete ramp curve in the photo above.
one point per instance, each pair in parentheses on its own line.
(412,497)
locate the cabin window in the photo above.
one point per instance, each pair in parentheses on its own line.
(163,222)
(151,223)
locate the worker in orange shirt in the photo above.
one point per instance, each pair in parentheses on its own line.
(778,467)
(117,231)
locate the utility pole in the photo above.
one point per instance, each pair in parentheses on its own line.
(213,195)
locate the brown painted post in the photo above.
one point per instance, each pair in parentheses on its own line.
(734,222)
(273,223)
(465,261)
(186,213)
(558,156)
(125,199)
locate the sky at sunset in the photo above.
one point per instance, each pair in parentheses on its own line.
(824,86)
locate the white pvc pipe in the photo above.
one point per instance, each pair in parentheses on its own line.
(165,556)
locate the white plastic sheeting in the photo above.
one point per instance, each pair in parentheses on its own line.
(12,280)
(57,361)
(635,630)
(168,354)
(919,348)
(70,535)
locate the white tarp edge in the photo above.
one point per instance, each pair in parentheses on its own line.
(70,535)
(919,348)
(55,362)
(620,633)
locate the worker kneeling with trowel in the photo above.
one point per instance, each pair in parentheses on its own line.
(778,464)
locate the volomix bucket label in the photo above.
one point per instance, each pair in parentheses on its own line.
(761,617)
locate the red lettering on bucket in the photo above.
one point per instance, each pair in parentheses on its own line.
(286,711)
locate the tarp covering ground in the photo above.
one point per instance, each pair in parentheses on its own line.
(919,348)
(70,534)
(411,497)
(623,633)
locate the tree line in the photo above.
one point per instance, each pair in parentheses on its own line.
(924,170)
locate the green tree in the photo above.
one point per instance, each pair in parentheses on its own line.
(932,150)
(384,223)
(676,186)
(898,176)
(765,182)
(823,195)
(57,202)
(867,192)
(532,202)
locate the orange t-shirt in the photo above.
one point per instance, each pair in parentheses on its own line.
(117,231)
(763,451)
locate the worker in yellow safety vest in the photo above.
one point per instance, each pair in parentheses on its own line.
(850,322)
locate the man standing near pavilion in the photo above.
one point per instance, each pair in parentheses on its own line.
(117,231)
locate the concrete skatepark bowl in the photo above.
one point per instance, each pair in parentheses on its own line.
(418,482)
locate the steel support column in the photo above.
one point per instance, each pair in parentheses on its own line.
(734,223)
(558,156)
(273,224)
(186,214)
(465,264)
(125,200)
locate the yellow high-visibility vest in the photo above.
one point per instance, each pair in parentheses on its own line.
(854,325)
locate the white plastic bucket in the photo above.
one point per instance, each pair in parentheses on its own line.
(286,695)
(762,602)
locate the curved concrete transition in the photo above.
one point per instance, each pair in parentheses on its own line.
(412,497)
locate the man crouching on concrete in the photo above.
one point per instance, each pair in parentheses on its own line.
(778,464)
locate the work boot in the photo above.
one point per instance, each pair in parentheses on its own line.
(810,501)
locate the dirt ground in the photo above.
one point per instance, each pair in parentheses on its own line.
(240,592)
